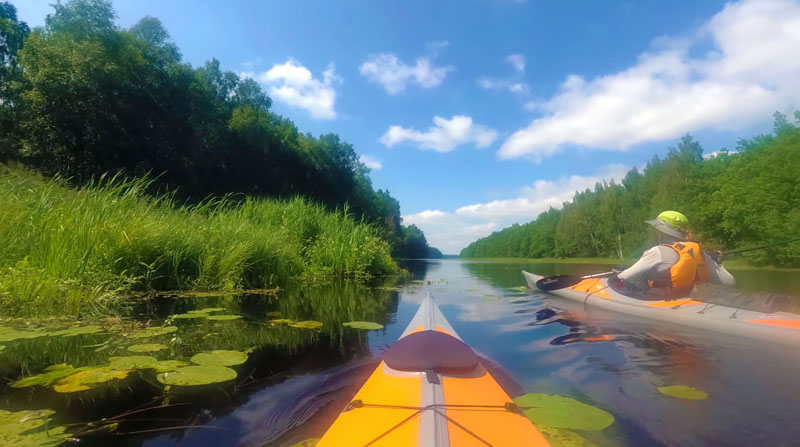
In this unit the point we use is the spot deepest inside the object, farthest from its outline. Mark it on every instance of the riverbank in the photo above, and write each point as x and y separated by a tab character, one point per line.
82	251
735	264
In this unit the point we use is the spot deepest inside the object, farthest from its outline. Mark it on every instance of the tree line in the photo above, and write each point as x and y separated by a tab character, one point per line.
739	198
81	97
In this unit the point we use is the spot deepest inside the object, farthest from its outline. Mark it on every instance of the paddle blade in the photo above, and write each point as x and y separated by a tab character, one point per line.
557	282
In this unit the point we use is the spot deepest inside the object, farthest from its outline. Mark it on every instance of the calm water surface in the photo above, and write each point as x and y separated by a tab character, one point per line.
296	381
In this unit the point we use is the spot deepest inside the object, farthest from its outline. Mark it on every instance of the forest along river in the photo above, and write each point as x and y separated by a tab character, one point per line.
296	365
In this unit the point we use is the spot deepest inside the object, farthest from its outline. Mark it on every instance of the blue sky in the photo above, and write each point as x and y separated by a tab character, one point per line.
477	114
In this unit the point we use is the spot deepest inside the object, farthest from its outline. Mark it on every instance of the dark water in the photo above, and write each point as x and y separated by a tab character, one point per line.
296	381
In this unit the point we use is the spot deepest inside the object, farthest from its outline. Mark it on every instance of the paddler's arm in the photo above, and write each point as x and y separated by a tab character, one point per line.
636	273
717	272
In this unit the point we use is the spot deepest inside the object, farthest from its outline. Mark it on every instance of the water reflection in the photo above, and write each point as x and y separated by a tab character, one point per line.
296	381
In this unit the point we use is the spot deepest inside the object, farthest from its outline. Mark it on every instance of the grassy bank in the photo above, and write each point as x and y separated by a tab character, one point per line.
79	251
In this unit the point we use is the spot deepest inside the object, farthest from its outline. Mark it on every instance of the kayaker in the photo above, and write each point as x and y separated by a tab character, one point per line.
673	267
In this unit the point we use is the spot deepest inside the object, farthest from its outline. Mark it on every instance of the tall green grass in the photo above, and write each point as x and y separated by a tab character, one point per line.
65	250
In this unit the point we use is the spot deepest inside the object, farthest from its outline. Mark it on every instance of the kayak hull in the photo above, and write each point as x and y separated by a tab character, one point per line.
776	327
429	408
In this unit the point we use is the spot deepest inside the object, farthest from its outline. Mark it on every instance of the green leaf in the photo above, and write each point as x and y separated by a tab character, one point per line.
367	325
10	334
147	347
78	330
197	375
273	314
2	347
683	392
306	324
220	358
131	362
281	321
29	428
207	310
89	378
167	365
224	317
563	412
564	438
188	316
154	331
51	375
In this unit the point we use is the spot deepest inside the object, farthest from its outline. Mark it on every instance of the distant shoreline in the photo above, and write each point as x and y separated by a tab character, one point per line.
736	264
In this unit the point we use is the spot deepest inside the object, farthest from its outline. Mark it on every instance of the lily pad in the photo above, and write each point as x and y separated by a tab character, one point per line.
683	392
281	321
11	334
188	316
220	358
564	438
167	365
89	378
131	362
154	331
224	317
306	324
367	325
273	314
49	376
207	310
563	412
77	330
197	375
312	442
147	347
29	428
2	347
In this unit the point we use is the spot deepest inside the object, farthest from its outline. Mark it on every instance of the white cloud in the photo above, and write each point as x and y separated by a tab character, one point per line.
753	70
444	136
517	61
394	75
371	162
452	231
293	84
519	88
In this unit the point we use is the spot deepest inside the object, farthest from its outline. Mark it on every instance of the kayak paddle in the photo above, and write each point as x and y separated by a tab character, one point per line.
563	281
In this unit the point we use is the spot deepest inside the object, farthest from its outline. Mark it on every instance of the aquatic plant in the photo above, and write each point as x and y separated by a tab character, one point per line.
563	412
49	376
223	317
82	251
153	331
311	442
683	392
366	325
29	428
147	347
220	358
197	375
89	378
306	324
77	330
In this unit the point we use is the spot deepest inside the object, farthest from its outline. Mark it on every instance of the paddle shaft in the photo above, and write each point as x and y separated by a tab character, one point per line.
742	250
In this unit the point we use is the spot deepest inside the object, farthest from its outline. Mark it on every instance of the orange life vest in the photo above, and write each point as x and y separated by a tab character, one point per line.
690	269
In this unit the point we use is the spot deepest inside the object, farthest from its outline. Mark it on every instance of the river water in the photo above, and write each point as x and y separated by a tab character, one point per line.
296	380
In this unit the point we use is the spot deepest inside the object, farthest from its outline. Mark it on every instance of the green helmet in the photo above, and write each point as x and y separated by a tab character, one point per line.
671	223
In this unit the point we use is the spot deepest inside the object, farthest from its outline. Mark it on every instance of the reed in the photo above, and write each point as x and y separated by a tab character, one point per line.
83	250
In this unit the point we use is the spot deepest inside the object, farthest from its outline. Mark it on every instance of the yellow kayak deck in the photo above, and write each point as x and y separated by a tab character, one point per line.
452	402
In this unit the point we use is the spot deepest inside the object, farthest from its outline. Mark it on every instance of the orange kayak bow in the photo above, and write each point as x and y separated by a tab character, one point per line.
431	389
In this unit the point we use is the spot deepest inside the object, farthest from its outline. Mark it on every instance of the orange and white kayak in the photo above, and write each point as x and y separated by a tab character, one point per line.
432	390
774	327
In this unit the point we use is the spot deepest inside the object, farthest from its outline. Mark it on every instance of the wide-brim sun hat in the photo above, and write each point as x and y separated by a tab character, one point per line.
670	223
